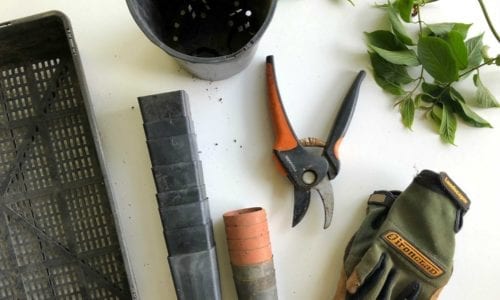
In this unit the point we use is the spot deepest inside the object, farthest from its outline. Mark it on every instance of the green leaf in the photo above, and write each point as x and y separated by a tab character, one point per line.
462	28
398	27
431	92
437	59
427	98
405	8
396	74
431	89
465	112
388	86
387	45
484	98
384	39
436	115
448	125
400	57
471	118
420	102
455	95
407	110
474	46
458	48
441	29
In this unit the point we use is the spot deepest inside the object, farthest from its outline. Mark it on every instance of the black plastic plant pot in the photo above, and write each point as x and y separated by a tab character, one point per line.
212	39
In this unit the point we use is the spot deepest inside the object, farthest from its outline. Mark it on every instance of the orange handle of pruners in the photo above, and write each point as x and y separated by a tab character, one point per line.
285	138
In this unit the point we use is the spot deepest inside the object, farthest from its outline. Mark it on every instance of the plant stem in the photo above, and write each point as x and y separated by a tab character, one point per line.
419	22
421	76
410	93
486	62
487	17
448	85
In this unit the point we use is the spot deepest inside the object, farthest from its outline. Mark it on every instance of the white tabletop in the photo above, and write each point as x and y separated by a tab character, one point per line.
318	47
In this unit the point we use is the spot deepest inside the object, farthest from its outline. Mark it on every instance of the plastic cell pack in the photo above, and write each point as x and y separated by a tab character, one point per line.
58	238
182	202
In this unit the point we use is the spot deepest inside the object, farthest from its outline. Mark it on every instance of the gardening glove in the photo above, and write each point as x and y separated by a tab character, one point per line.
412	254
376	212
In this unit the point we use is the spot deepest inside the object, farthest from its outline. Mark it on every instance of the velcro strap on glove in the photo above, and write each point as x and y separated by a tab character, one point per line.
444	185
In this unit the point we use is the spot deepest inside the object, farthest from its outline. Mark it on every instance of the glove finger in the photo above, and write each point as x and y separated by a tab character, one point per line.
379	204
386	291
410	292
368	277
340	293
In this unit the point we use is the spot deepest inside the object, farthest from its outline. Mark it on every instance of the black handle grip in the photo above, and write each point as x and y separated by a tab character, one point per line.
341	124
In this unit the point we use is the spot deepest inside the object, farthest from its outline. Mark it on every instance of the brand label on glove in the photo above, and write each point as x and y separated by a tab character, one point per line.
409	251
457	194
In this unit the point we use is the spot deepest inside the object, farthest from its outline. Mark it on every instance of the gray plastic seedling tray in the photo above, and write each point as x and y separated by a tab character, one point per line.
58	238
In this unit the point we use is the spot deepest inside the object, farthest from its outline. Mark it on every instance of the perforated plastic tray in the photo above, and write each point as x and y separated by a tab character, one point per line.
58	238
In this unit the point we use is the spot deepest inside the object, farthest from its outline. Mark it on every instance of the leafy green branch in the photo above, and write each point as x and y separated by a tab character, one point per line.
441	55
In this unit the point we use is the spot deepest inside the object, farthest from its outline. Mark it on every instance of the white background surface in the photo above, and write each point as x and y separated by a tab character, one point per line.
318	47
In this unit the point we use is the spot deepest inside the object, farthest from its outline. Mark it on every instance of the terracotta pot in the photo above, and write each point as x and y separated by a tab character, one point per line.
246	232
245	217
250	243
250	257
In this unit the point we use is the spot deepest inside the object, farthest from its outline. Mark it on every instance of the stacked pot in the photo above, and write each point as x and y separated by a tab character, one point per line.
182	202
250	253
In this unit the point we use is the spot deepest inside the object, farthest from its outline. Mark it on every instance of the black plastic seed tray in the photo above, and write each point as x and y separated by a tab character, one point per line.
58	238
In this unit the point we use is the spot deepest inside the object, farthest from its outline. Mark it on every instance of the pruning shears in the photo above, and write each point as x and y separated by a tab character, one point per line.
305	169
